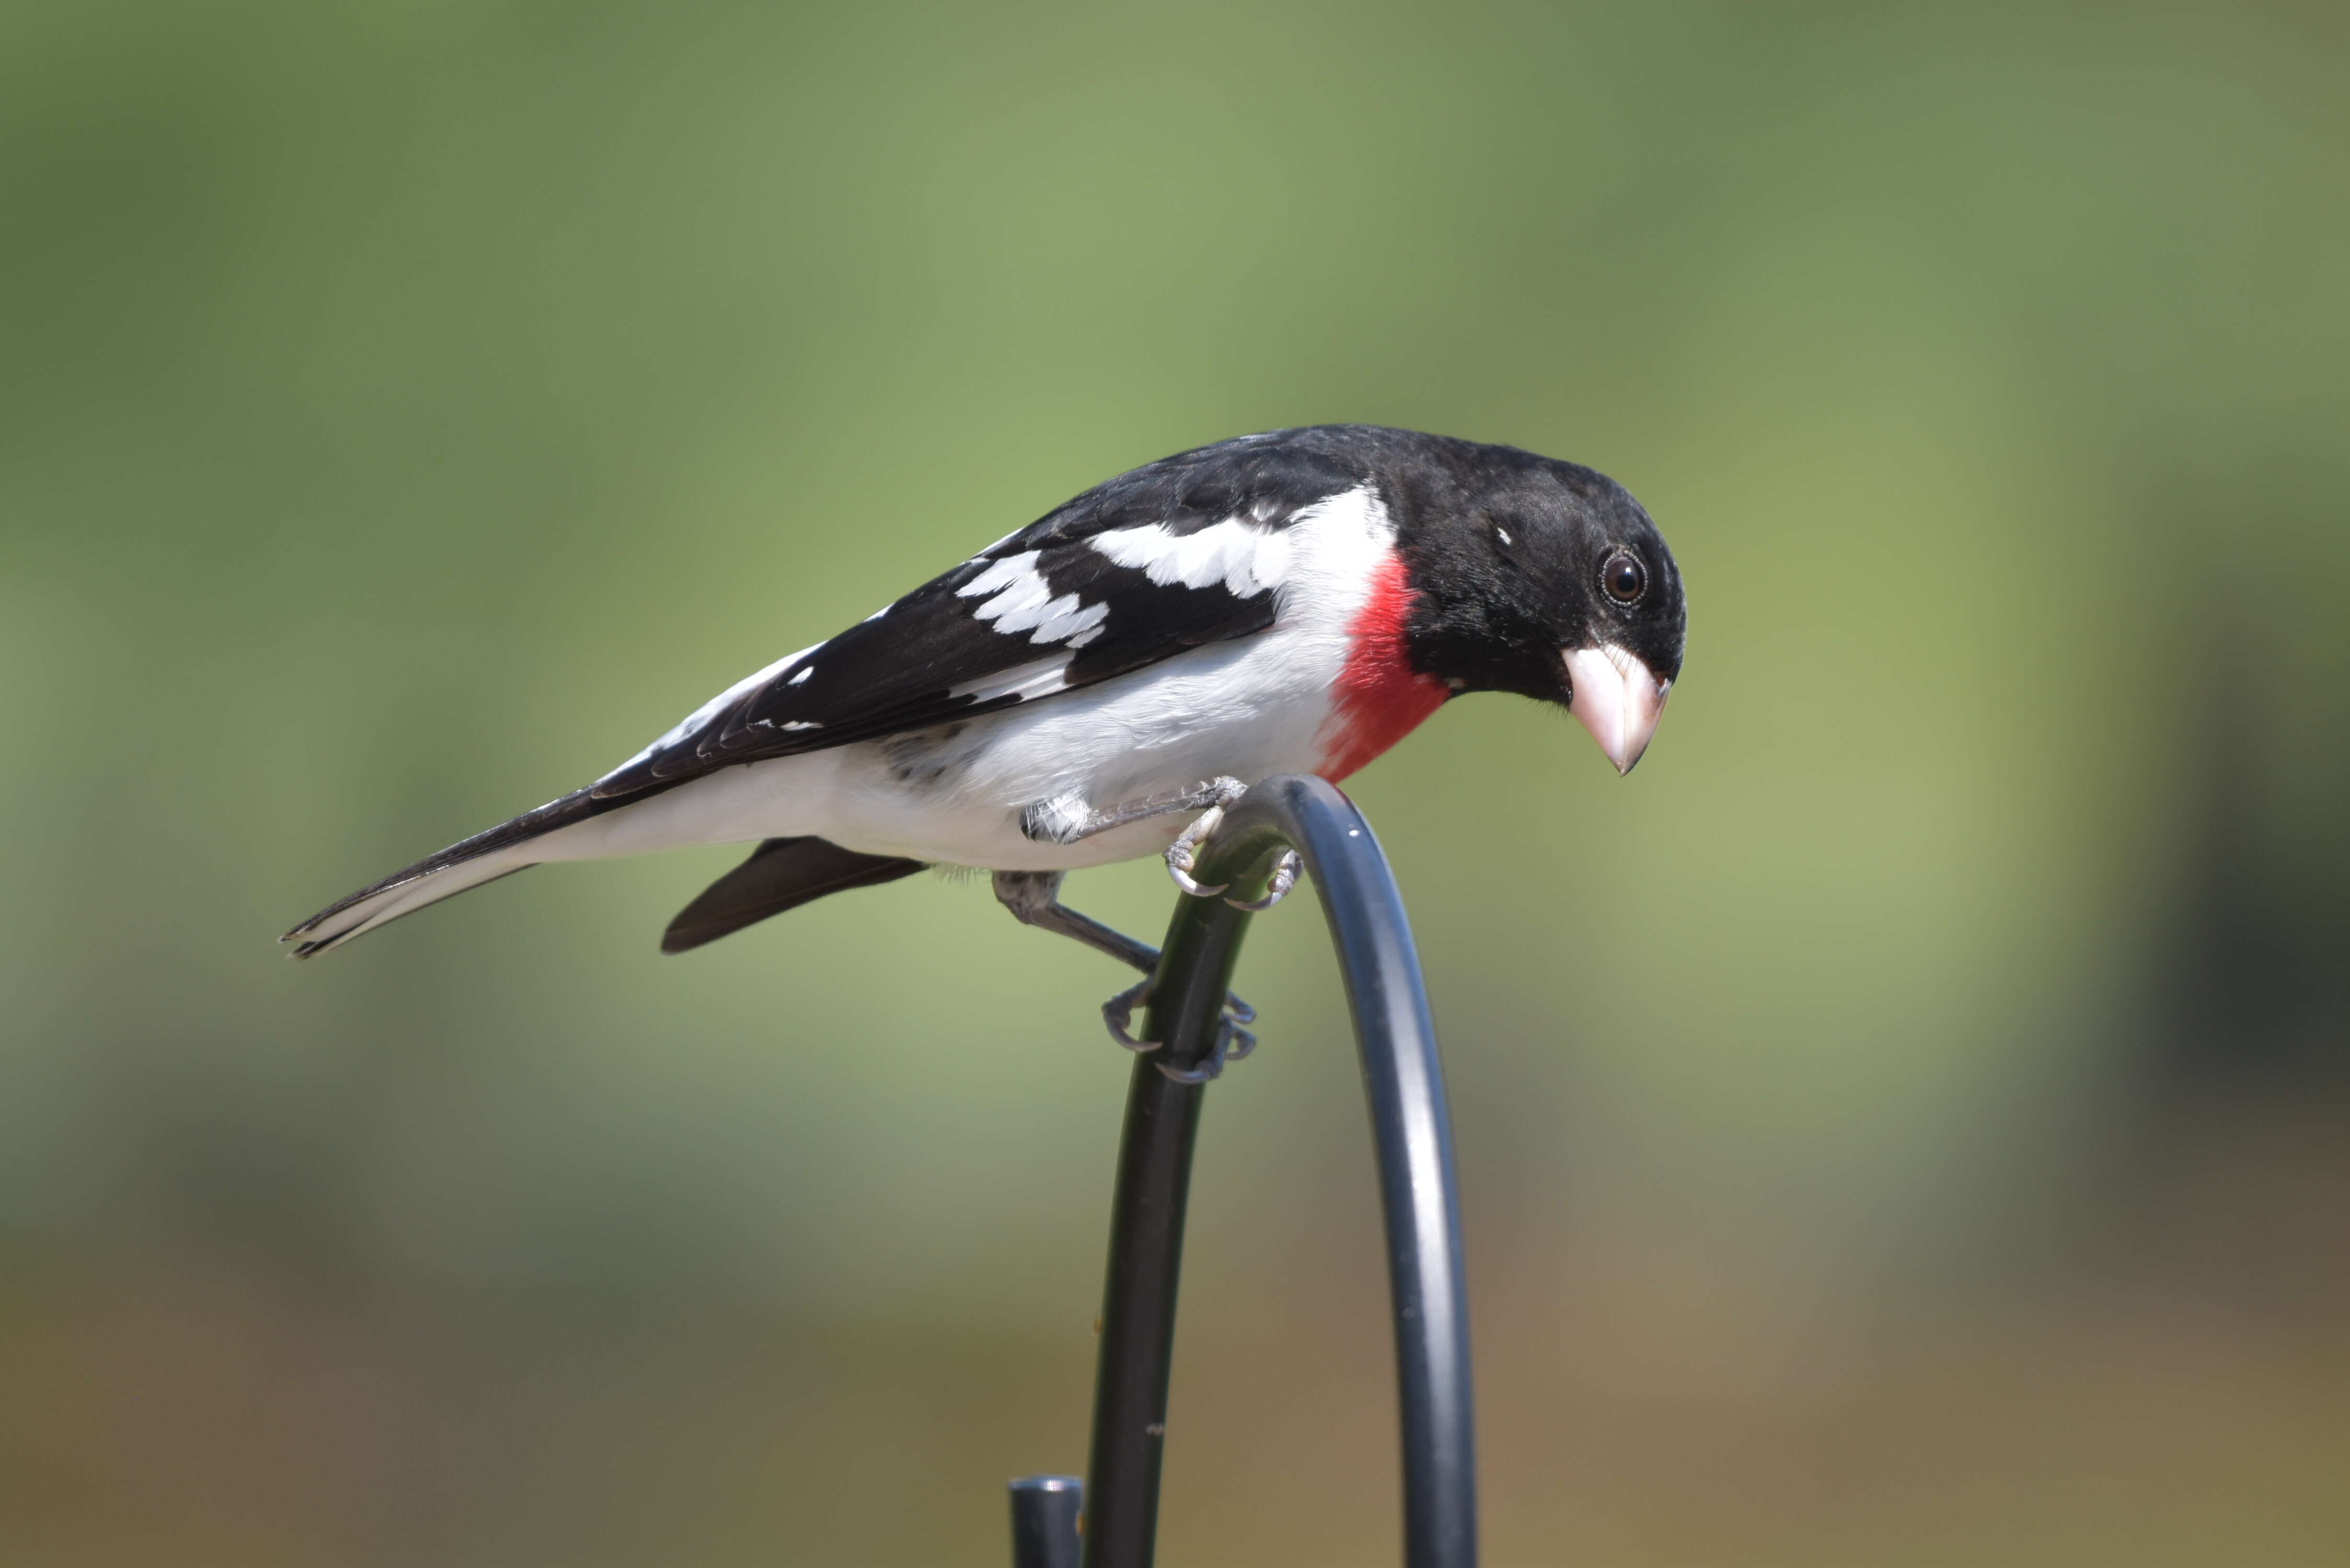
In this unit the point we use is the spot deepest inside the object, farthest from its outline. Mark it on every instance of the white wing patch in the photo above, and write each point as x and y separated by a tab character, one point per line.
1246	560
1027	683
1023	601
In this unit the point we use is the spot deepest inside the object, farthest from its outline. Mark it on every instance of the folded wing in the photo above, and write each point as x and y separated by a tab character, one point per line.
1184	553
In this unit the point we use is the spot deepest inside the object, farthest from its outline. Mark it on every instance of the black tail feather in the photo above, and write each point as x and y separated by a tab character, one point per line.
782	874
577	806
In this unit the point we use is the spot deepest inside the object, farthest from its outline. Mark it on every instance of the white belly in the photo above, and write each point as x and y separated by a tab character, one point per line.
955	795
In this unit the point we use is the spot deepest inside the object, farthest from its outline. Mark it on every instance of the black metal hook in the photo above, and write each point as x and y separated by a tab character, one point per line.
1418	1192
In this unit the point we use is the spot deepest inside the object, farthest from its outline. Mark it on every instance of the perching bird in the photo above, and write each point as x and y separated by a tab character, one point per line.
1073	694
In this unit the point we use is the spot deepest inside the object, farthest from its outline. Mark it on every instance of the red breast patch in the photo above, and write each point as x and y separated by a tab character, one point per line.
1378	698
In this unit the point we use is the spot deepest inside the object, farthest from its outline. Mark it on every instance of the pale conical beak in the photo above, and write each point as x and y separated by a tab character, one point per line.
1616	699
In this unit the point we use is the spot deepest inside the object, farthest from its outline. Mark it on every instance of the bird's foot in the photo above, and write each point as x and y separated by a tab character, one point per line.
1234	1040
1183	855
1035	897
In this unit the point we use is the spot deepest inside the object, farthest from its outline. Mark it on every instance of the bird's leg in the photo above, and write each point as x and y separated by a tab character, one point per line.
1066	819
1035	899
1070	818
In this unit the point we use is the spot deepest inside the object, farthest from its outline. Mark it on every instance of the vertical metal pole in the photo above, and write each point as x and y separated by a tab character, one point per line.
1044	1522
1146	1239
1418	1190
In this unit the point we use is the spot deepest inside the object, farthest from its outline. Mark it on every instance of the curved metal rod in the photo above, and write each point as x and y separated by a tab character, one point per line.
1418	1189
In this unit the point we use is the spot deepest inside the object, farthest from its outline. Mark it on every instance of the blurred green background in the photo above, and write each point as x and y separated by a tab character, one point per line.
1908	1122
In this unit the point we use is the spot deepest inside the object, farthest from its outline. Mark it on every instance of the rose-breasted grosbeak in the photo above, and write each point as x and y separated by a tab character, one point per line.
1291	602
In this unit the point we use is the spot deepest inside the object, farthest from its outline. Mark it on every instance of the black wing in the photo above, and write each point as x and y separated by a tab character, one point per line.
1096	588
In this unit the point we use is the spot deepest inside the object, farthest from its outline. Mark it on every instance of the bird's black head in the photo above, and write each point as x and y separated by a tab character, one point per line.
1543	578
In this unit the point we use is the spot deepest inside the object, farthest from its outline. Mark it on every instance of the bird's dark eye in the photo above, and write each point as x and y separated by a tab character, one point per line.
1624	577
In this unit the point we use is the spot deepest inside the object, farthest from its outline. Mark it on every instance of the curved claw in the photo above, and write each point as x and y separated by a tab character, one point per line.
1117	1013
1183	854
1182	877
1232	1043
1117	1016
1284	876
